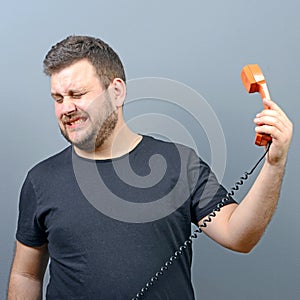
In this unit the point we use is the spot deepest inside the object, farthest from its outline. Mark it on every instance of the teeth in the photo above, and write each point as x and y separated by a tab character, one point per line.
76	122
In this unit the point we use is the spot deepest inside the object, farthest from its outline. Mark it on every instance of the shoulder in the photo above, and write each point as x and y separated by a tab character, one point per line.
179	155
54	162
169	148
159	143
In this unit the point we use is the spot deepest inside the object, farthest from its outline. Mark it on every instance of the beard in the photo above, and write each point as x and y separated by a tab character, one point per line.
101	130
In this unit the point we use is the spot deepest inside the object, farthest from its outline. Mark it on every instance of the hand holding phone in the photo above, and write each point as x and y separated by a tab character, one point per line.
254	81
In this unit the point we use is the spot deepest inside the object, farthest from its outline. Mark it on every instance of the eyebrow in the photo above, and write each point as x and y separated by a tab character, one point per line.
70	92
55	94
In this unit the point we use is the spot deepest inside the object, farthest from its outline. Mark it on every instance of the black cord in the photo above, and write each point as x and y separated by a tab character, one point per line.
194	235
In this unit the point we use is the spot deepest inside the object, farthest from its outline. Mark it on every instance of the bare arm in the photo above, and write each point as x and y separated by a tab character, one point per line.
27	273
240	227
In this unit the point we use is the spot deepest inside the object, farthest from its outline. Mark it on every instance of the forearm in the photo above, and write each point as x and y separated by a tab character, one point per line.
239	227
249	220
27	272
24	287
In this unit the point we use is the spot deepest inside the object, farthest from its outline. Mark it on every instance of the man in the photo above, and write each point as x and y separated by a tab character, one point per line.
94	255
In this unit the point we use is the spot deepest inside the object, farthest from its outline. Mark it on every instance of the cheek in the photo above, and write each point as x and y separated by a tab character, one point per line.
58	111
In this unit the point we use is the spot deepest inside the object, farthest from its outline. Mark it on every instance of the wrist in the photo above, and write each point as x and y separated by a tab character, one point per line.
276	166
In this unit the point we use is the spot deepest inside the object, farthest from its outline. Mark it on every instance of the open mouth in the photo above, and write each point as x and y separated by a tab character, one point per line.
74	122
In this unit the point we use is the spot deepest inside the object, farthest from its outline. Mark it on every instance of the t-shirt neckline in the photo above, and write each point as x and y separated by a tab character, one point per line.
136	148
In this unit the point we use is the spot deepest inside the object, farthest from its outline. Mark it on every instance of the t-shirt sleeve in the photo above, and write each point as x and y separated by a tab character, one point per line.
29	230
207	192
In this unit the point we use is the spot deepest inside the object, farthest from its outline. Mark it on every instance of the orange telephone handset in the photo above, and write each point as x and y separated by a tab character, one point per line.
254	81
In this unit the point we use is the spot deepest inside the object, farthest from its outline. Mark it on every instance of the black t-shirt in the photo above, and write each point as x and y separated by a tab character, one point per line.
109	233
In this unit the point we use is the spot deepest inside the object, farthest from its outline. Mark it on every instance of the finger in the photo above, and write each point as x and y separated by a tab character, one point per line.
274	132
271	118
273	125
277	114
275	111
269	126
269	112
273	106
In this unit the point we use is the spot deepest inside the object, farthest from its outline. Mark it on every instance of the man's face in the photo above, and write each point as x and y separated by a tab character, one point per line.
85	113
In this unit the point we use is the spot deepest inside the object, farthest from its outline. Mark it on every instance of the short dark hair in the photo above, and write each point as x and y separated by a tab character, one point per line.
74	48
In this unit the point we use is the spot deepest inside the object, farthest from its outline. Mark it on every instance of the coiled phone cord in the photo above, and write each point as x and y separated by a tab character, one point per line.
194	235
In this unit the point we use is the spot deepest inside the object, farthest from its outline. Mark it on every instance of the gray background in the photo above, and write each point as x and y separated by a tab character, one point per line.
203	44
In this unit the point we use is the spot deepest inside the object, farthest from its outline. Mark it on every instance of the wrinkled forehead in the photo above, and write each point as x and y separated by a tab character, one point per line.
79	75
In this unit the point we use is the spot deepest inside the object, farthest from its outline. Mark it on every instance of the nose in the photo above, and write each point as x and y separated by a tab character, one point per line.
66	107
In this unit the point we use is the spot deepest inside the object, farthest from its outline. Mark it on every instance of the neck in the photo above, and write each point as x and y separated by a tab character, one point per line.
119	143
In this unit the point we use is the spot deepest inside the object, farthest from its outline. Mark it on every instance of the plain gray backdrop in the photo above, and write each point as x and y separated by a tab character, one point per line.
203	44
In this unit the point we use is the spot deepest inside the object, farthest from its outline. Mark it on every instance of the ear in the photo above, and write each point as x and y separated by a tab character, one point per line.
118	91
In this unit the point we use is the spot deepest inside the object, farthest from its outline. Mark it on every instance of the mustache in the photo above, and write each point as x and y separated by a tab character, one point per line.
73	117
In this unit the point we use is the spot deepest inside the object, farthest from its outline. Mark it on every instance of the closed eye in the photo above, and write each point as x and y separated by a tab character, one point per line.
77	95
57	98
74	95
